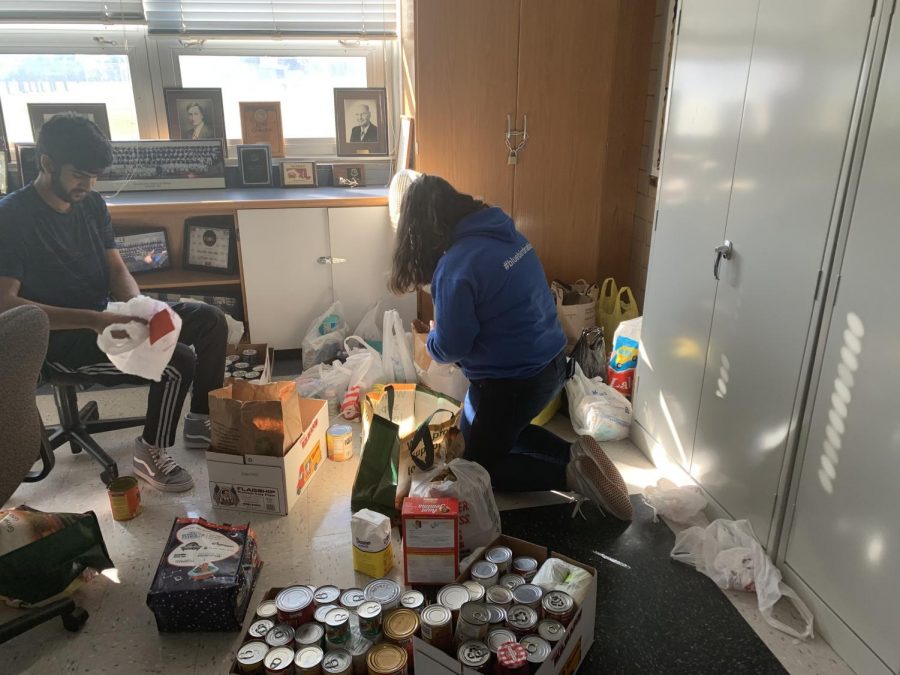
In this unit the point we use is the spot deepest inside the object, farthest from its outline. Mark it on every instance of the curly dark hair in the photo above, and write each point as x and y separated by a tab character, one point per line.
430	210
69	139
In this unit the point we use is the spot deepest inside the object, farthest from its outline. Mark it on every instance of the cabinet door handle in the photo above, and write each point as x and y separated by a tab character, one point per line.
328	260
724	251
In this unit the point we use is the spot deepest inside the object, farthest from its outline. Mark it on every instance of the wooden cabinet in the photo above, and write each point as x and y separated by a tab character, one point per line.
578	71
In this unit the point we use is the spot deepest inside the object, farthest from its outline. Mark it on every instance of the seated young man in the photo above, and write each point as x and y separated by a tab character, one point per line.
58	251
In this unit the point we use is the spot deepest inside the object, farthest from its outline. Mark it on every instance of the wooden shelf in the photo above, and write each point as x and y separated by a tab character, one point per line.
155	281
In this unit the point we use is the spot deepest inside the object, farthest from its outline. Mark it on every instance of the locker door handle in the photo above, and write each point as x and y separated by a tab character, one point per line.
328	260
724	251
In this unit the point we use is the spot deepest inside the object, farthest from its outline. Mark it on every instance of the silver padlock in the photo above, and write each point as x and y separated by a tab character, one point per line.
513	157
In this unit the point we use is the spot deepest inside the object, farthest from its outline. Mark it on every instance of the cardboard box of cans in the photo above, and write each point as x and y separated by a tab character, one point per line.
251	361
265	484
568	653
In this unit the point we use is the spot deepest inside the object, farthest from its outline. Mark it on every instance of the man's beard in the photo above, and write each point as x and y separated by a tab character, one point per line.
57	188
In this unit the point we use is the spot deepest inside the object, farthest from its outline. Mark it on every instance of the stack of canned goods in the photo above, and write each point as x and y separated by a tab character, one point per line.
247	365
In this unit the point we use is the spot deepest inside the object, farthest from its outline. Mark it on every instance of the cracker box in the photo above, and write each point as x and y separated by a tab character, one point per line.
430	540
205	577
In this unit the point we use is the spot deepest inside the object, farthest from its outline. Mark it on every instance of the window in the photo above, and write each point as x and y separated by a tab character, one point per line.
66	78
303	85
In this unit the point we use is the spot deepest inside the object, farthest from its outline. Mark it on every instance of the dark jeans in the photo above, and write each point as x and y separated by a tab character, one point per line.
203	327
496	424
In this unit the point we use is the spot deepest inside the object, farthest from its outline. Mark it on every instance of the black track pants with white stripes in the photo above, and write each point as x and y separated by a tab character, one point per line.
203	328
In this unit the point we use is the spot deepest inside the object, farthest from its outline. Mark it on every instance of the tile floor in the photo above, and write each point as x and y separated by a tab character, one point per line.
311	545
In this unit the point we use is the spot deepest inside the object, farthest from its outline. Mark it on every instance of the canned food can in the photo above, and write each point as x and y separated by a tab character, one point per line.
321	612
124	498
511	581
370	616
437	627
525	567
474	655
538	649
250	356
453	596
414	600
251	375
384	591
279	661
326	595
521	619
259	369
251	655
476	590
498	637
309	635
260	627
239	374
498	616
359	648
498	595
241	365
551	630
387	659
337	626
528	594
338	662
309	661
280	635
352	598
339	441
558	605
400	626
512	658
472	623
295	605
485	573
232	358
266	610
501	557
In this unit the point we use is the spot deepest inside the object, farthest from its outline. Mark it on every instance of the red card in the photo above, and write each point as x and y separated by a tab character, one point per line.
160	325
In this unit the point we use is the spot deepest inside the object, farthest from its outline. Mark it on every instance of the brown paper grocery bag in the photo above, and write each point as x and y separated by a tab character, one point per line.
420	344
576	306
255	419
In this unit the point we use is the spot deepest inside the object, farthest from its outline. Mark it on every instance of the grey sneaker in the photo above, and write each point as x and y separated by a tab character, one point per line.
196	433
593	474
155	466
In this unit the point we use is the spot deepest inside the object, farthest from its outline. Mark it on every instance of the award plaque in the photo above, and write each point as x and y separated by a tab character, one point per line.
209	244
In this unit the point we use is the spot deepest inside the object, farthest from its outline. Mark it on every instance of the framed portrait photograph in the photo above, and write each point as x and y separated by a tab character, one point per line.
26	158
261	123
349	175
298	174
361	122
255	165
405	143
194	114
38	113
210	244
143	249
165	165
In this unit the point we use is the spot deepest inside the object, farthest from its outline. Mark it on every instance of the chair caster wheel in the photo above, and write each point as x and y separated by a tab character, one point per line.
75	620
109	475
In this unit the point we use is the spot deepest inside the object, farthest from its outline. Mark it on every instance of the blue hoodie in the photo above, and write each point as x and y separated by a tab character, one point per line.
494	313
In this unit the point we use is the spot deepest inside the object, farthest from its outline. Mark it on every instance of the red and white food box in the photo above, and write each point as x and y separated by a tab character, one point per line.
430	540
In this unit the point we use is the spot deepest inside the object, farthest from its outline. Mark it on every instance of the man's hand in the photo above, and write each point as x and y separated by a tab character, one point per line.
104	319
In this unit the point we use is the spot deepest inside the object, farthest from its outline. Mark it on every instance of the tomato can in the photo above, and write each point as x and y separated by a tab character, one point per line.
437	627
501	556
476	590
414	600
370	619
512	659
472	623
521	619
400	626
352	598
124	498
326	595
338	662
309	635
309	661
295	606
337	626
528	594
387	659
260	627
525	567
281	635
251	655
279	661
474	655
558	605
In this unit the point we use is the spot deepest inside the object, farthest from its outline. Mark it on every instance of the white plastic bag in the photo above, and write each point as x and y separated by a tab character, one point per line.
470	483
397	352
444	378
370	327
558	575
133	353
325	336
728	553
366	370
678	504
596	409
324	381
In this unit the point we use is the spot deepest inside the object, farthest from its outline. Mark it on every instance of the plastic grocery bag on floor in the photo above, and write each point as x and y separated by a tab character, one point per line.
325	336
324	381
590	354
366	370
141	349
397	353
728	553
470	483
370	328
596	409
678	504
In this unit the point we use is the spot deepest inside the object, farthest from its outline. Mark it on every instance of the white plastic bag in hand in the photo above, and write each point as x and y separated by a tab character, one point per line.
370	327
728	553
133	354
325	336
397	352
366	370
596	409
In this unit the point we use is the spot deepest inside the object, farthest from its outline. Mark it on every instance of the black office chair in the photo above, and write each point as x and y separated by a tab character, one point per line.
76	426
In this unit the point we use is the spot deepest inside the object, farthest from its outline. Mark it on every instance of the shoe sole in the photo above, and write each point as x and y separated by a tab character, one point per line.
610	485
196	442
163	487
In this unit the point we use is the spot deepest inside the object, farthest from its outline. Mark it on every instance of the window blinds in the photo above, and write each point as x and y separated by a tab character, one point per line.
325	18
67	11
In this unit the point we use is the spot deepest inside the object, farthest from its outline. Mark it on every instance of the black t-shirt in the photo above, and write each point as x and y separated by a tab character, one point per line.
60	258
